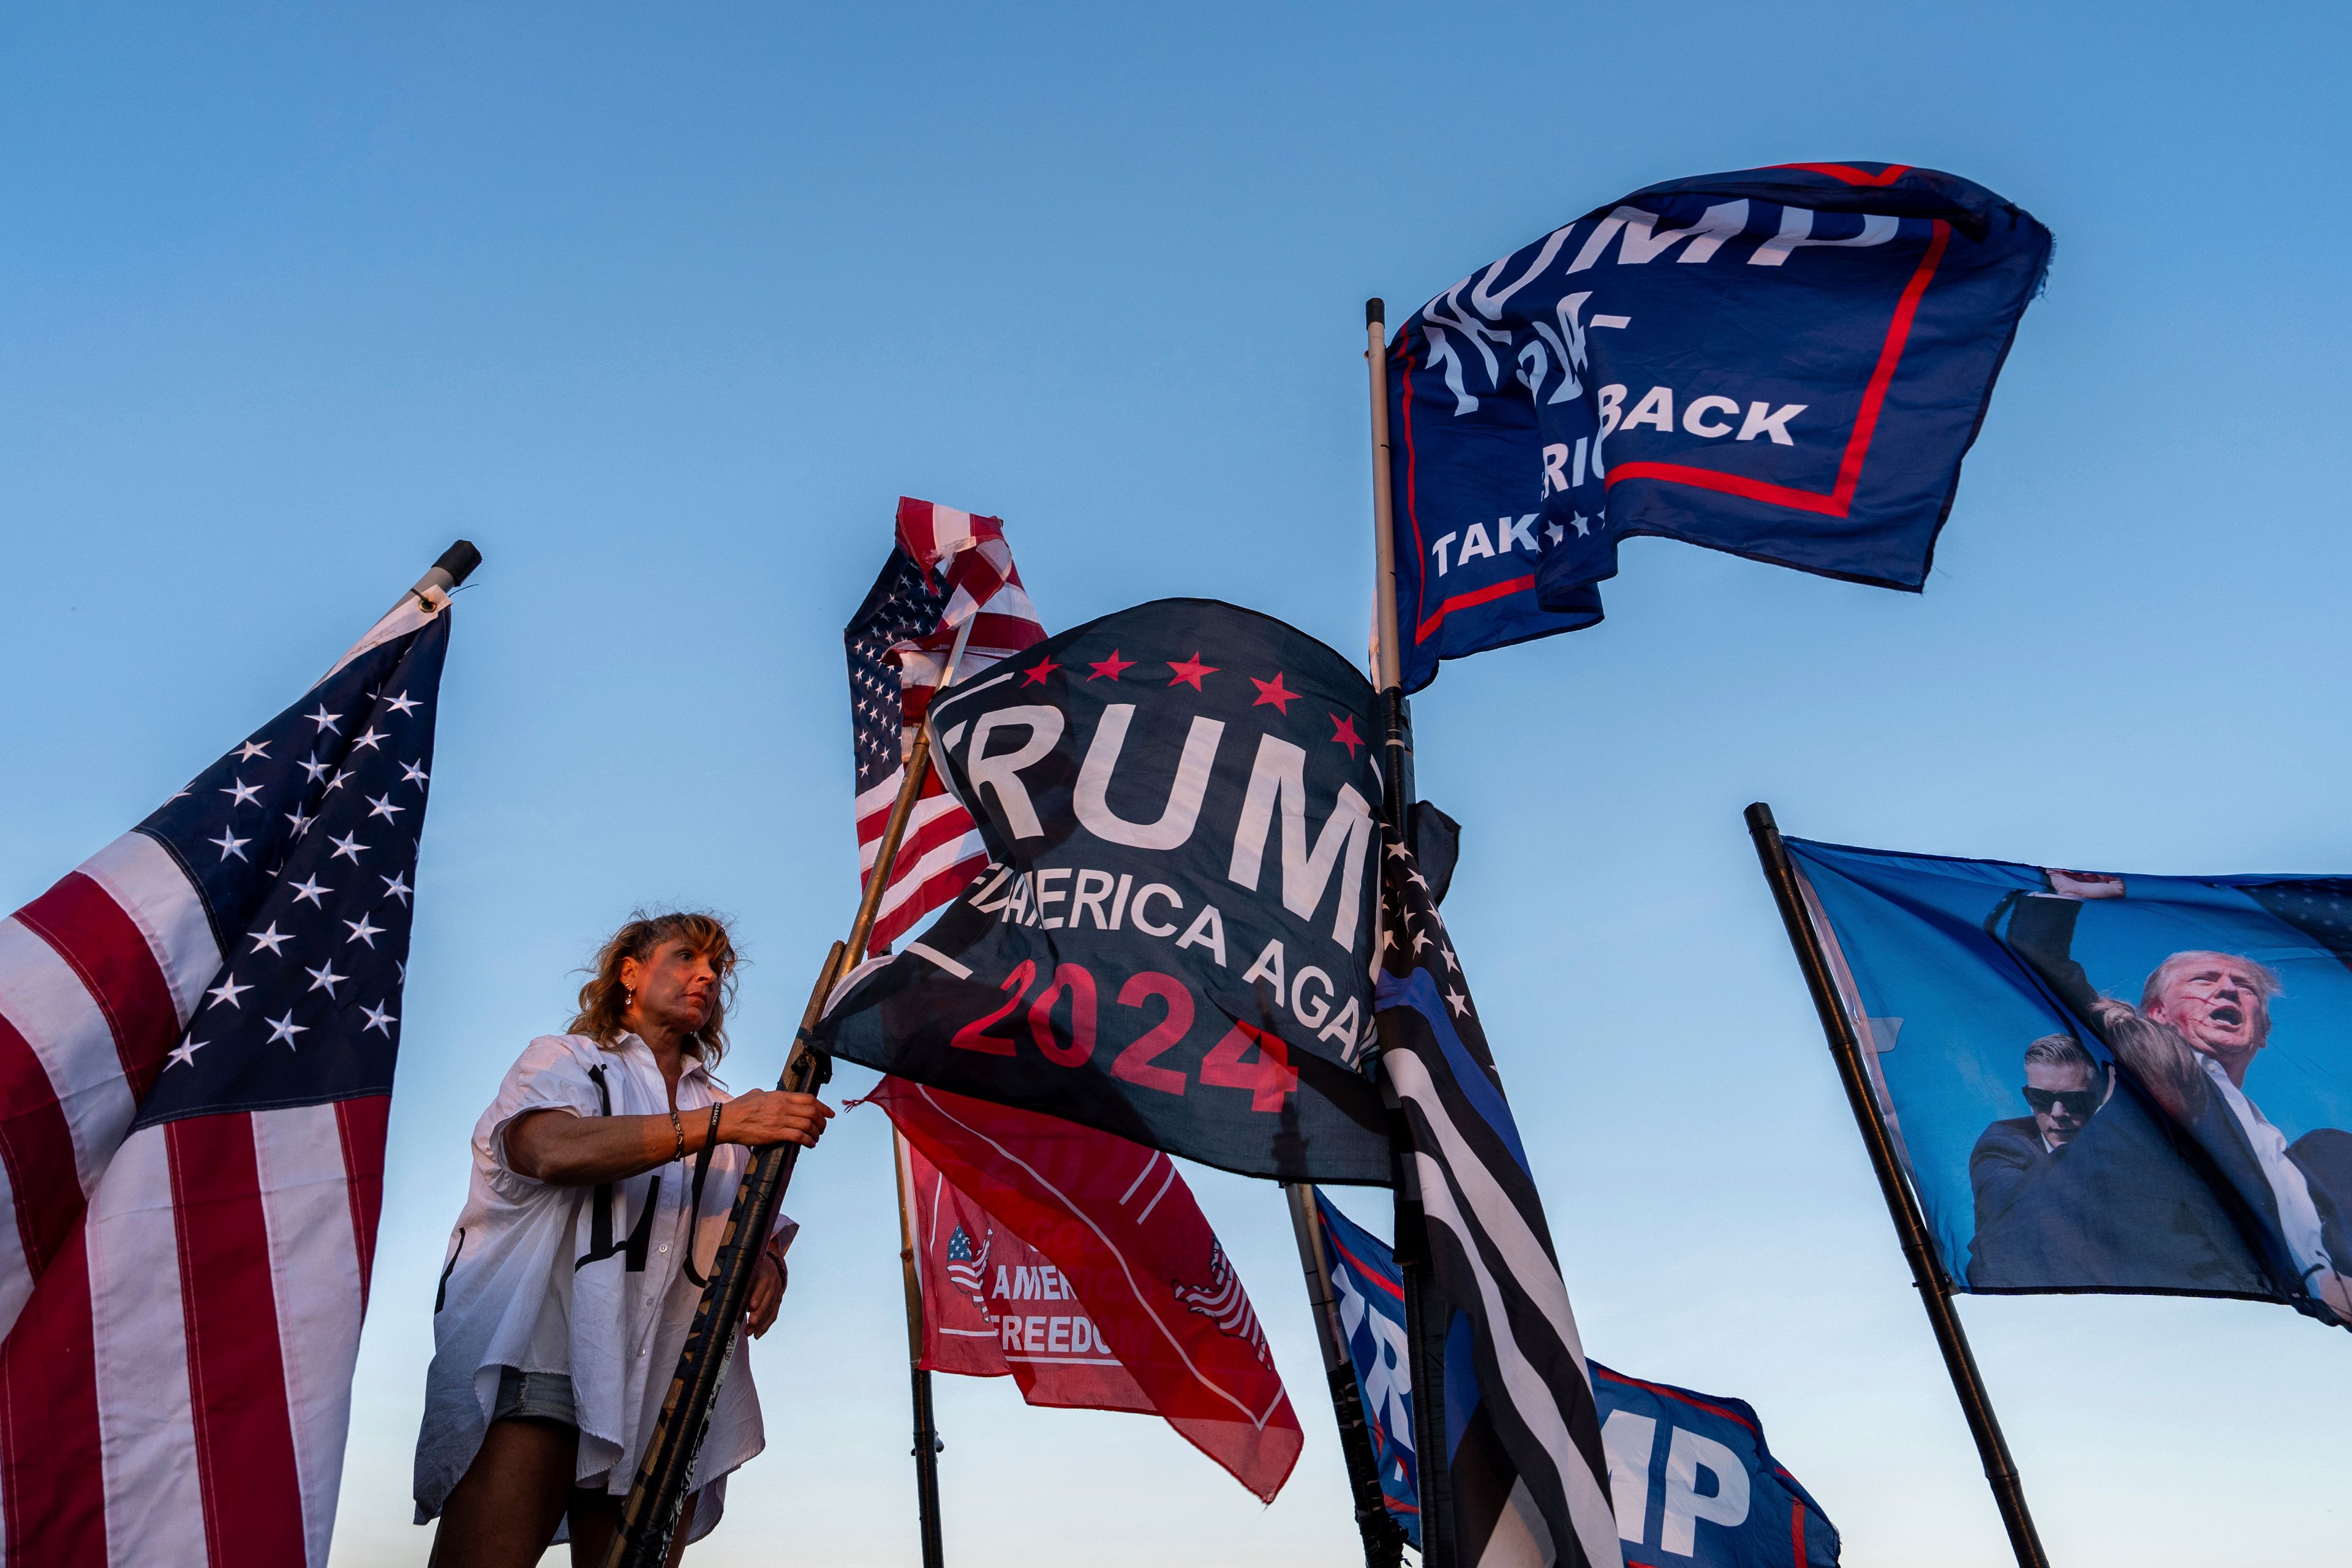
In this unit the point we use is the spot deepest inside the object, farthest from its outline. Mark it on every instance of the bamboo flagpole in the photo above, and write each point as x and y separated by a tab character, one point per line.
1902	1204
658	1493
927	1436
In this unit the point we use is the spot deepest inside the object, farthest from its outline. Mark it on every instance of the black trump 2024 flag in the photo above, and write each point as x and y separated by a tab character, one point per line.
1174	942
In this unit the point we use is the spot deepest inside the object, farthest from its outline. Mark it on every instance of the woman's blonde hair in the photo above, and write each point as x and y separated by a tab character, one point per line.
604	1001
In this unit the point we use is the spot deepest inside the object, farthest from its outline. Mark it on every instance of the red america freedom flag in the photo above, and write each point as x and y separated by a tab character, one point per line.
948	567
198	1032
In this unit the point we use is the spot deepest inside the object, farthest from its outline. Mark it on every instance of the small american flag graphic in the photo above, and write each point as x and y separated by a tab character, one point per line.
946	567
1223	1301
967	1270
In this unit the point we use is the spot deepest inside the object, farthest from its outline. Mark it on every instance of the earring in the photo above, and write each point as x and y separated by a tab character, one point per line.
628	997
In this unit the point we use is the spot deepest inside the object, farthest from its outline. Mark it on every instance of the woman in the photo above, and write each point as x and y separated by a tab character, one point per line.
603	1176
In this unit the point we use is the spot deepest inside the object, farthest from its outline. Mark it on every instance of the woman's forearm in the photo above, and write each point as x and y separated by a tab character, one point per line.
571	1150
568	1150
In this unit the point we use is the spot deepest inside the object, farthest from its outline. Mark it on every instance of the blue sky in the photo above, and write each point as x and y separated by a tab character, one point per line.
665	310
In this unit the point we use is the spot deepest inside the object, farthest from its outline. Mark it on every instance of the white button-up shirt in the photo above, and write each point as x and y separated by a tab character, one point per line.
534	1281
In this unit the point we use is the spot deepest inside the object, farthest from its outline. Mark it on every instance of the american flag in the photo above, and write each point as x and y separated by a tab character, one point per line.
197	1030
1223	1301
967	1270
947	567
1528	1476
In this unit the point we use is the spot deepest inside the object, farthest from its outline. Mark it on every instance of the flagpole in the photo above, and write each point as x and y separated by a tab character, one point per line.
658	1493
927	1436
1383	1541
1902	1204
1426	1350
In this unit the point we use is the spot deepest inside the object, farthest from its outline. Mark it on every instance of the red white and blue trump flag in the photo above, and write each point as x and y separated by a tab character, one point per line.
1787	364
198	1034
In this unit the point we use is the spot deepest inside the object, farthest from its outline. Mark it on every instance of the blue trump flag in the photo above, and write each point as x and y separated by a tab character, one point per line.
2099	1083
1369	1289
1786	364
1690	1475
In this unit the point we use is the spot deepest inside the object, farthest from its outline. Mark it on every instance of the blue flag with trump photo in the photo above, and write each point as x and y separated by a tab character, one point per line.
1691	1479
2103	1083
1787	364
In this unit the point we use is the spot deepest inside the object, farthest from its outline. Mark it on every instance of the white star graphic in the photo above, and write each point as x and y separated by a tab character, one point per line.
347	847
231	845
251	750
1420	940
285	1029
324	720
404	971
379	1018
246	794
1388	939
273	939
1578	523
1458	1002
362	931
1396	851
184	1055
312	766
1447	953
337	782
1557	532
411	773
397	888
383	807
227	990
302	822
309	887
371	740
1418	880
403	703
324	978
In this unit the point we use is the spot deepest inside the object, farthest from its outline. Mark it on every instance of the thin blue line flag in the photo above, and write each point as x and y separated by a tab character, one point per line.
1691	1479
1526	1482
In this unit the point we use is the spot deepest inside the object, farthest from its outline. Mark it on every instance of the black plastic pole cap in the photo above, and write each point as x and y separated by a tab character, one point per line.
460	561
1376	309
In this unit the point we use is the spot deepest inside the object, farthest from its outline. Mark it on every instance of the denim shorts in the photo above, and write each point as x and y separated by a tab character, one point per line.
534	1396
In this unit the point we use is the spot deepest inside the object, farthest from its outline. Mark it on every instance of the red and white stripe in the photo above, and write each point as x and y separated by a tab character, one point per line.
942	851
181	1307
970	556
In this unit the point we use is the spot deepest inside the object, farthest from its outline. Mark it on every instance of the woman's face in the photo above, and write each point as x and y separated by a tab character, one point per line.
674	986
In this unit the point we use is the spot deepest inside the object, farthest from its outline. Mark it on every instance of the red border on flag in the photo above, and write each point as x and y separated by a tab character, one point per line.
1838	503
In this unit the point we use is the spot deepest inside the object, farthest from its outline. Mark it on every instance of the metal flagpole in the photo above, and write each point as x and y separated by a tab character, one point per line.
1425	1343
658	1493
1383	1541
1902	1204
927	1436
